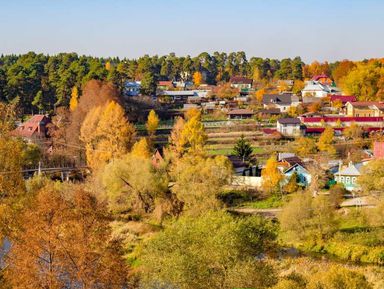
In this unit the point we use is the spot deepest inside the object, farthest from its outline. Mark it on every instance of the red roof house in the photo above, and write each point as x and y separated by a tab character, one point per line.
323	79
343	98
34	128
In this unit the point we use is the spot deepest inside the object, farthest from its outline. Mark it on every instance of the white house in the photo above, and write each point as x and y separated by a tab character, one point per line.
348	176
288	126
316	89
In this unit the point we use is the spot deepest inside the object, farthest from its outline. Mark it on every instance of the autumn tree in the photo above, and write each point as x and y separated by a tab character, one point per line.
187	255
94	93
197	78
177	141
142	149
338	104
314	107
304	146
325	143
192	112
65	241
199	180
341	70
226	91
353	132
307	218
259	95
271	176
298	86
292	185
132	183
194	135
152	123
243	149
74	101
107	134
364	81
372	177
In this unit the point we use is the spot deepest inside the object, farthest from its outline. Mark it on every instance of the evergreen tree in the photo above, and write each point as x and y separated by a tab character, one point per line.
243	149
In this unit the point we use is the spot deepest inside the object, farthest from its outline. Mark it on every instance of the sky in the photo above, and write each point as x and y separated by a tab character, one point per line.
315	30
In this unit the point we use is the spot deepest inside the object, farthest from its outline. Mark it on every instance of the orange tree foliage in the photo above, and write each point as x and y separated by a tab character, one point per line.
225	91
65	242
316	68
366	81
197	78
74	101
342	69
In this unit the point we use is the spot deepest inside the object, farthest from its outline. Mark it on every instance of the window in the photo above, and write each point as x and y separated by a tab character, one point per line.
353	180
342	179
347	180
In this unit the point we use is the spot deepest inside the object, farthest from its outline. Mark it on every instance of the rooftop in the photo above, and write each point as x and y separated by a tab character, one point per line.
240	112
240	80
289	120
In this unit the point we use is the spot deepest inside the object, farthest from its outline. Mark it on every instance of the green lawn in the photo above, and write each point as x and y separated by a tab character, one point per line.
269	203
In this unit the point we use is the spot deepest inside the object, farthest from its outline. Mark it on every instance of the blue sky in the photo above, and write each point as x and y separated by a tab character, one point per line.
315	30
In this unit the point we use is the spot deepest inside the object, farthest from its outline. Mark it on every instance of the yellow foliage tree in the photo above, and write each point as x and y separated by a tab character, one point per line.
192	112
141	149
108	65
305	146
354	132
176	139
365	81
259	95
298	86
74	101
271	176
152	123
194	135
106	133
325	141
197	78
337	104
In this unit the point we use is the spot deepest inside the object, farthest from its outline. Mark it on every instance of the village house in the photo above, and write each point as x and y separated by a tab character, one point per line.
240	114
348	176
289	126
316	89
243	84
281	101
165	85
34	129
365	108
132	88
323	79
304	177
344	99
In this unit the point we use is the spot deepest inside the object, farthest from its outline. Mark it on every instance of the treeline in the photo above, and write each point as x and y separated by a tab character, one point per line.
42	82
